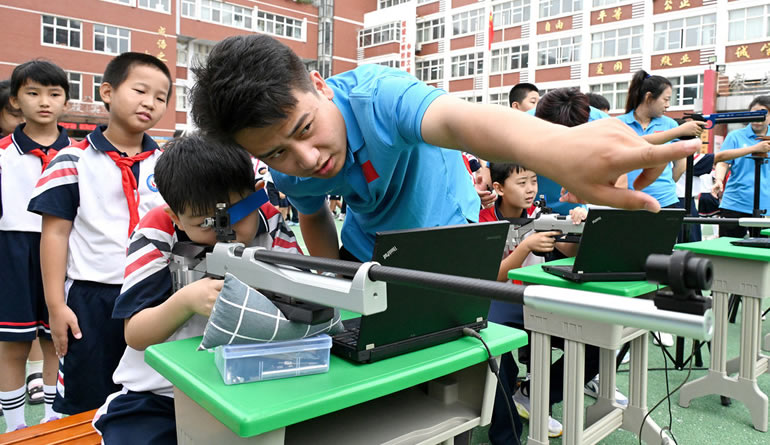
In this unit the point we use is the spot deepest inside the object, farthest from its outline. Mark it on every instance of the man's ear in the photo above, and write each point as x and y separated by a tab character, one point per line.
172	215
320	85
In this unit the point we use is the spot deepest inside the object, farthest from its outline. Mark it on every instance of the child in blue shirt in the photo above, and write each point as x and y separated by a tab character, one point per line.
738	198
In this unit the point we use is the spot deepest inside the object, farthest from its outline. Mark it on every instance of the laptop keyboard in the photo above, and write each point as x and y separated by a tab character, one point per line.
349	337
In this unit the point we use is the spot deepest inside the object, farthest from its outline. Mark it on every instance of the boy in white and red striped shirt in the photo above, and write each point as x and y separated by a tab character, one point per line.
193	175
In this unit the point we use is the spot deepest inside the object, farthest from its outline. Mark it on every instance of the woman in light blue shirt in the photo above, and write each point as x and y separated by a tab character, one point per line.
648	98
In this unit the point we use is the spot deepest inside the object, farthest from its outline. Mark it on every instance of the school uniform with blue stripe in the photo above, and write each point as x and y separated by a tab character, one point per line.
23	312
739	189
84	185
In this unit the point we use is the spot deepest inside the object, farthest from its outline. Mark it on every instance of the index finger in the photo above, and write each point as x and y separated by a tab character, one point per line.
648	156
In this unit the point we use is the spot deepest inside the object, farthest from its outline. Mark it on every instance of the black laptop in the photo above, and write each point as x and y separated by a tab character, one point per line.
616	243
416	317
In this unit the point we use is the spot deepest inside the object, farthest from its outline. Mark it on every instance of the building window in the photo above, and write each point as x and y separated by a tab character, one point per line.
467	64
469	22
549	8
430	70
511	58
748	24
392	63
155	5
690	32
182	99
379	34
388	3
686	89
557	51
188	9
499	99
510	13
599	3
76	86
430	30
200	54
123	2
615	93
110	39
279	25
60	31
225	14
182	49
616	42
471	98
97	84
420	2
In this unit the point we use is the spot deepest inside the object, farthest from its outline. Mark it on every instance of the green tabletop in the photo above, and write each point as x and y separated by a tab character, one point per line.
536	275
249	409
722	247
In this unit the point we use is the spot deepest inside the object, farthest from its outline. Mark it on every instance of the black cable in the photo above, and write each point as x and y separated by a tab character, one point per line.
496	371
667	397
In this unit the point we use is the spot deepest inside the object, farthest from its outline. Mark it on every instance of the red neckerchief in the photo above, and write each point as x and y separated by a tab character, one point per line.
129	183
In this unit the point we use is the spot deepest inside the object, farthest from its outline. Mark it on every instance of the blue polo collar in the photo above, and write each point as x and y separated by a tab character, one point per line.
25	144
98	141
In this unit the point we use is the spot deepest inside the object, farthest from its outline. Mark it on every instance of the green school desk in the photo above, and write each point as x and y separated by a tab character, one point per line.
605	416
744	271
427	396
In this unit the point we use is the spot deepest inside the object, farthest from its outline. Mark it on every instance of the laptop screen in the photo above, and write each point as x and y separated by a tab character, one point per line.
469	250
616	240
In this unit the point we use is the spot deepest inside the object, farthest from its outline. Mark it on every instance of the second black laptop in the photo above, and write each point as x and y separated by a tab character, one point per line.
616	243
416	317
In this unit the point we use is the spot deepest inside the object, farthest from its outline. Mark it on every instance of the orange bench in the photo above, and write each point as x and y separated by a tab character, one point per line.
72	430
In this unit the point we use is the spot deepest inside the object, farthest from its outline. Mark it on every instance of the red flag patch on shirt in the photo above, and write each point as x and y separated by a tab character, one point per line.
369	172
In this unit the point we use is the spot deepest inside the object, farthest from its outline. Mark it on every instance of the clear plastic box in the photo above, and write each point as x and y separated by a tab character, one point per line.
267	361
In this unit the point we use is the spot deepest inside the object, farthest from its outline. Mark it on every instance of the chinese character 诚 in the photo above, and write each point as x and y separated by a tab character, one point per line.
600	68
665	61
685	59
617	13
618	67
602	15
742	51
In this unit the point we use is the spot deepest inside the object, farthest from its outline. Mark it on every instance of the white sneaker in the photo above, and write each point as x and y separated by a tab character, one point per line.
592	389
665	338
523	407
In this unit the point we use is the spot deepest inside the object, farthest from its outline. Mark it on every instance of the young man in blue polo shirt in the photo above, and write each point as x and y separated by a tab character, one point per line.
373	135
738	198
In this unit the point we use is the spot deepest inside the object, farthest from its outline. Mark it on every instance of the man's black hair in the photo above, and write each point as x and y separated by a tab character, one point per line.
118	69
195	173
763	101
598	101
41	71
643	83
500	171
519	92
248	81
564	106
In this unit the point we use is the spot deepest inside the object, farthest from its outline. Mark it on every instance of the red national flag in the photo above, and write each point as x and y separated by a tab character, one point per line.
491	31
